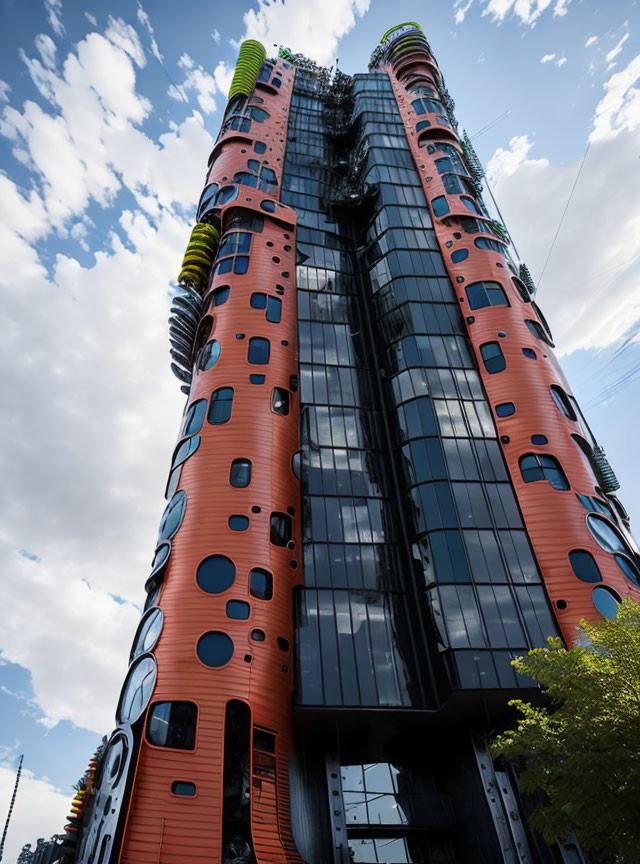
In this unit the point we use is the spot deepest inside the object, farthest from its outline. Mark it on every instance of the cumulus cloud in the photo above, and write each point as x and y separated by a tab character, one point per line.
592	300
223	74
216	36
90	406
40	808
5	89
144	19
125	37
198	80
461	7
561	61
298	24
47	49
547	58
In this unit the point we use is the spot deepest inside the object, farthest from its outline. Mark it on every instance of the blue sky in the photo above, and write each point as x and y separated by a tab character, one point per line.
107	115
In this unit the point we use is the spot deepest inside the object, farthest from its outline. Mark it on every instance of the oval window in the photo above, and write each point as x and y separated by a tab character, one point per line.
210	355
604	533
214	649
114	762
584	566
629	569
606	601
148	633
215	574
137	690
160	559
194	418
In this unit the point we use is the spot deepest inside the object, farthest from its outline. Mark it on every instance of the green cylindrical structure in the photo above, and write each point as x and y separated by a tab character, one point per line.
251	57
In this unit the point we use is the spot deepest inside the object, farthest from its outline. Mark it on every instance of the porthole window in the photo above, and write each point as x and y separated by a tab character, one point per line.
137	690
215	574
539	440
280	529
505	409
258	635
238	610
537	466
493	357
260	147
481	294
537	330
220	406
148	633
283	644
280	401
184	449
218	296
530	353
214	649
173	725
194	418
606	534
296	464
240	474
238	523
173	516
459	255
259	351
183	787
261	584
584	566
209	356
269	206
521	289
562	402
606	601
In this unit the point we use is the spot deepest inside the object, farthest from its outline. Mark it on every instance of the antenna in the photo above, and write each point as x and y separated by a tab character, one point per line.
13	801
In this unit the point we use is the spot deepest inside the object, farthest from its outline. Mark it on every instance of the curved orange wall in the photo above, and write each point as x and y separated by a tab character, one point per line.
555	519
161	826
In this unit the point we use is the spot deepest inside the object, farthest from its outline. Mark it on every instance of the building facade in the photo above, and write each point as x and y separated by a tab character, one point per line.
382	492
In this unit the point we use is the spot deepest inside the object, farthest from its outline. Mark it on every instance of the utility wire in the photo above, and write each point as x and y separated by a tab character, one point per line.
491	124
11	805
564	213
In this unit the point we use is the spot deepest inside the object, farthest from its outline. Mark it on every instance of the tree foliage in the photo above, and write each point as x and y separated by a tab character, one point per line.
583	752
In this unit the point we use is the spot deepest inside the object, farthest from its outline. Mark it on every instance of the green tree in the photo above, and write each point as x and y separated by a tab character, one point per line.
583	751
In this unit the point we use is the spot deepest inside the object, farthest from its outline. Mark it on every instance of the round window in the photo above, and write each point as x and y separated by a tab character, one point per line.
137	690
148	633
215	574
606	601
173	515
210	355
215	649
605	534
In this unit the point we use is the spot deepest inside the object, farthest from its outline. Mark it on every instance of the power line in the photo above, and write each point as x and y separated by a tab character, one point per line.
491	124
564	213
13	801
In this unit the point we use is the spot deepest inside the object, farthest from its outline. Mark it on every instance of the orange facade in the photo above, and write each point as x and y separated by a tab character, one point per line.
555	518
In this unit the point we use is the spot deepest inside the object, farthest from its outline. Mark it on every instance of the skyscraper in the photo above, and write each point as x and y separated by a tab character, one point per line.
382	492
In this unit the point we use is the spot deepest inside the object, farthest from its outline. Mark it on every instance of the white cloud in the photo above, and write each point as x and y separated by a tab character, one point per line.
5	89
461	8
590	41
53	9
593	299
223	75
303	26
619	108
91	19
47	50
144	19
124	36
547	58
216	36
561	61
610	57
82	491
40	810
197	79
528	11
